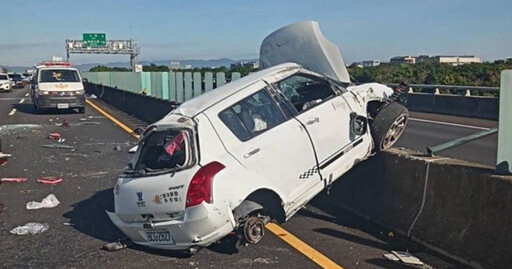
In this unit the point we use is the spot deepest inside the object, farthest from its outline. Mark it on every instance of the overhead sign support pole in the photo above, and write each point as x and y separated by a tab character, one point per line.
504	160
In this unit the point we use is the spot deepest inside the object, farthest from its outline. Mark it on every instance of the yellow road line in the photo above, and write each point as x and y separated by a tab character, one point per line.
302	247
110	117
284	235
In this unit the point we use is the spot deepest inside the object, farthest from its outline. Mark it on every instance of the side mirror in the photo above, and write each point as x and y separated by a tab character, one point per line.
358	124
84	80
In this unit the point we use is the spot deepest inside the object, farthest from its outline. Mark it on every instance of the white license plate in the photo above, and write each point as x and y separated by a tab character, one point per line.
162	236
62	106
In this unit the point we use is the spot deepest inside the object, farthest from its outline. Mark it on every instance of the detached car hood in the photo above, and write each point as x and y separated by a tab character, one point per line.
303	43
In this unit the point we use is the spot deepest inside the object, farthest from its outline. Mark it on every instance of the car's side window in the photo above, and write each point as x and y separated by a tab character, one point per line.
305	92
252	116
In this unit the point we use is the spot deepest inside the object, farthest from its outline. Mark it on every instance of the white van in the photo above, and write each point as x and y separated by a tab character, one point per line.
57	85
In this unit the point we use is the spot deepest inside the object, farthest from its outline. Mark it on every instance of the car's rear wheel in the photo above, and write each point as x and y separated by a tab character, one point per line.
388	125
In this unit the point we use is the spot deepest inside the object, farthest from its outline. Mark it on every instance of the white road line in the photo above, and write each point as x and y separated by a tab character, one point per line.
450	124
12	112
22	100
26	94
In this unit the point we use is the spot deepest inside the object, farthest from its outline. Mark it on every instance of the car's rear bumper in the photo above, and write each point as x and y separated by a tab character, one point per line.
48	101
201	226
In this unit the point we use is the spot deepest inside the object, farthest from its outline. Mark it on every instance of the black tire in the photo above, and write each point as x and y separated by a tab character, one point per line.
81	110
388	125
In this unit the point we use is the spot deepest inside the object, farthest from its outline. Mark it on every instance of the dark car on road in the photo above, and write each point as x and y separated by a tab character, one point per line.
17	81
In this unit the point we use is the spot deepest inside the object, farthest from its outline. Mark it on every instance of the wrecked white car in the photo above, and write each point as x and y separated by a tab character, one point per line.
256	149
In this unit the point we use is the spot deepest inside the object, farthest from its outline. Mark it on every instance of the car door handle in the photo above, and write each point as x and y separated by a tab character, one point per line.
252	152
312	121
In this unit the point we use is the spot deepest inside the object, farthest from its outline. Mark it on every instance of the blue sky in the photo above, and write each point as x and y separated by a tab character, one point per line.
188	29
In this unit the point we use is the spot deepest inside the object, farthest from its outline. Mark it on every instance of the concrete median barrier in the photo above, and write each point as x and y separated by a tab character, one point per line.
457	208
146	108
456	105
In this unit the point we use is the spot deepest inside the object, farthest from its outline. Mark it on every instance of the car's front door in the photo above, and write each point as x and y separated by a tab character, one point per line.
270	143
326	116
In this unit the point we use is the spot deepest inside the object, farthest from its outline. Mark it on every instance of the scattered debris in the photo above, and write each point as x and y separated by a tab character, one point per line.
49	202
26	191
4	155
120	244
95	174
10	129
14	179
67	159
117	148
68	224
404	257
83	119
31	228
75	154
65	123
50	120
57	146
89	123
134	149
50	180
93	96
54	136
61	140
391	234
2	207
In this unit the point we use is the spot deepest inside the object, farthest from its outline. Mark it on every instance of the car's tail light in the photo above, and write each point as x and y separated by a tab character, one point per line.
200	188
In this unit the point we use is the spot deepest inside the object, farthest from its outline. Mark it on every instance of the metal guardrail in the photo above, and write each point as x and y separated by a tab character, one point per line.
437	88
460	141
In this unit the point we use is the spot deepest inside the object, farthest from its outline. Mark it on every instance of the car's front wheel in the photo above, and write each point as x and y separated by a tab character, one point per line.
388	125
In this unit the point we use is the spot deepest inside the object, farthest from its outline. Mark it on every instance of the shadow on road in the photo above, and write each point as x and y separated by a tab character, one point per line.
30	109
352	238
383	263
89	218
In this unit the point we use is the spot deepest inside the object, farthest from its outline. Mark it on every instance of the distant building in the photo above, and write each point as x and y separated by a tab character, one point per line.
188	66
254	64
425	59
371	63
457	60
441	59
175	65
403	60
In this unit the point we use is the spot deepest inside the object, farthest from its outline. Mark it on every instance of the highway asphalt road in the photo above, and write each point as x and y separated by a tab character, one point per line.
78	226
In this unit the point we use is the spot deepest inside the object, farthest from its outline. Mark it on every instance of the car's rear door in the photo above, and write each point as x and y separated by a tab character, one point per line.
267	141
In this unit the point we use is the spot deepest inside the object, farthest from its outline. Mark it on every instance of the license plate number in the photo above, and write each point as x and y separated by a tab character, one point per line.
159	236
62	106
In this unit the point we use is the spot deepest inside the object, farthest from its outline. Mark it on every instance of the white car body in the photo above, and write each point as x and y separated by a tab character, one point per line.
5	83
286	160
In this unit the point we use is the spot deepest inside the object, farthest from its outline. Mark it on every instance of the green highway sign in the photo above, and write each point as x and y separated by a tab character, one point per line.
94	39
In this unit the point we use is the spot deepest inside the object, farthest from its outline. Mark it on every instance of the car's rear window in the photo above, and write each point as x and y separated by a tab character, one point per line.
162	150
3	77
15	76
59	75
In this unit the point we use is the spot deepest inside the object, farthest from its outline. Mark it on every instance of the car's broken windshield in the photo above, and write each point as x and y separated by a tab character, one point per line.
163	150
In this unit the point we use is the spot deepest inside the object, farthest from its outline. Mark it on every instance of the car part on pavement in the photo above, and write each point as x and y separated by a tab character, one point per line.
120	244
57	146
15	180
388	125
50	180
54	136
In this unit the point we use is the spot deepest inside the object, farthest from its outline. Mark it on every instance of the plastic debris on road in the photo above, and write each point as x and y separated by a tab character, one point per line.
403	256
117	148
114	246
57	146
3	155
93	96
49	202
31	228
133	150
54	136
65	123
14	179
50	180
